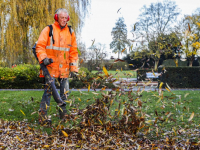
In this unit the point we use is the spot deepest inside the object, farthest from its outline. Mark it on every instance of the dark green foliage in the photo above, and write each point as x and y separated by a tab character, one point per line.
27	77
110	65
84	71
171	62
119	66
180	77
139	62
20	77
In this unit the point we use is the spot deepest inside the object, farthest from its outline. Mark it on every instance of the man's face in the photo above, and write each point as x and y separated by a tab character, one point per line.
62	19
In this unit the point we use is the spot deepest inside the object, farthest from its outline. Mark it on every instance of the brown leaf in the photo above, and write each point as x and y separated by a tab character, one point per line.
110	67
189	27
139	103
123	50
119	60
156	112
81	61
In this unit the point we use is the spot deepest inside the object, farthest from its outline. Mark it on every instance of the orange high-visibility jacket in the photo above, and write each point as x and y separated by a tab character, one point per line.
63	52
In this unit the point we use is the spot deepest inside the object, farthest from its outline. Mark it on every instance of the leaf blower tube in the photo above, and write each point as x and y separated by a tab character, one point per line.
47	75
55	93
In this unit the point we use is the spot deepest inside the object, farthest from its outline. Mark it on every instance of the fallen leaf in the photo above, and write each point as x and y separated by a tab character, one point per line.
22	112
191	117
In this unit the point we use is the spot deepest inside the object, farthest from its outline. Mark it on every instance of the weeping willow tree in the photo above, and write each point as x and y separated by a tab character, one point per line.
22	21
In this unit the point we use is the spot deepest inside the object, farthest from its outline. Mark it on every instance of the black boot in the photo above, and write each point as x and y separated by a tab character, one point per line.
62	111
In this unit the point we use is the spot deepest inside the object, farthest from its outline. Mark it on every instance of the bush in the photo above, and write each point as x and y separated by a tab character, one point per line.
171	63
83	71
20	77
90	65
120	65
180	77
27	77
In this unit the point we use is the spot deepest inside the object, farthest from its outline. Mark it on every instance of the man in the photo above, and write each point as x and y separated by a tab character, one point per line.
59	54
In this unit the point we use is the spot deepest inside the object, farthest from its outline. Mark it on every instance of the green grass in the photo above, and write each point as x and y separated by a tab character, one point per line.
122	74
19	105
174	108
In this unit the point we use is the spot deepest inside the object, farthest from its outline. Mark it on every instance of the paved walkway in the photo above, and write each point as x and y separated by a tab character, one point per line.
133	89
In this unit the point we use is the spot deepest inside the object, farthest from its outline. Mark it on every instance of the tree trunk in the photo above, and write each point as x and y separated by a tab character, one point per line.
25	42
118	54
176	62
190	63
156	65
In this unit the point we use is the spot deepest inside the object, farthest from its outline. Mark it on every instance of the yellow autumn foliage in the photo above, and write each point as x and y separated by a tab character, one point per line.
22	21
196	45
198	24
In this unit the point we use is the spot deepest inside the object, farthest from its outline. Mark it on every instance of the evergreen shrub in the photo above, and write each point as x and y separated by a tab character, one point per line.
180	77
171	63
27	77
20	77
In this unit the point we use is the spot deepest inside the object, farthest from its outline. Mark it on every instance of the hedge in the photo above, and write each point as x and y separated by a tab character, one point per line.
180	77
171	63
27	77
20	77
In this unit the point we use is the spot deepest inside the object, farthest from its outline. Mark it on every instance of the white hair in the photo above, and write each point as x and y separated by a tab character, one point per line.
62	10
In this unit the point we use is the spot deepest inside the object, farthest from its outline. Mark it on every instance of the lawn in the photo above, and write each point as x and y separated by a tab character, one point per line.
19	105
122	74
169	119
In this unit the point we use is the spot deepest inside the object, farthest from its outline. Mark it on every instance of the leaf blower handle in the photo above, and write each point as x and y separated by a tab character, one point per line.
55	93
47	61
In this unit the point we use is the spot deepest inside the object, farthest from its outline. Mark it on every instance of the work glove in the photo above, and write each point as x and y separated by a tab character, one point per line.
73	75
47	61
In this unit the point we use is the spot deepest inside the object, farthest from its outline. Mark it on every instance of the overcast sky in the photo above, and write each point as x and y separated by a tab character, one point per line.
103	15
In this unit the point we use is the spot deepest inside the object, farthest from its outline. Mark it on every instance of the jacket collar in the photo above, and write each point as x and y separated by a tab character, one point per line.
57	24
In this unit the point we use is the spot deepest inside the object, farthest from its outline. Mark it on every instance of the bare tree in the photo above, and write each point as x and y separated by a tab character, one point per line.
97	51
156	19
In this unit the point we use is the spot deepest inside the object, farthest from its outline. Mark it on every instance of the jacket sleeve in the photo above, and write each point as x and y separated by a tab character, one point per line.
42	43
73	55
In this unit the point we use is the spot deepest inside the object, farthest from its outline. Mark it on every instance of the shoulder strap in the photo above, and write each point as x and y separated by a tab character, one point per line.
51	29
51	32
70	29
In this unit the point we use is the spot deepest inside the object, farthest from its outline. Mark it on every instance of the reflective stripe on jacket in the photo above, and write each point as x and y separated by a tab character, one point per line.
63	52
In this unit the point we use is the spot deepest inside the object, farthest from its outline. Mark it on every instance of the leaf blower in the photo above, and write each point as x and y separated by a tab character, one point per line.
47	75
